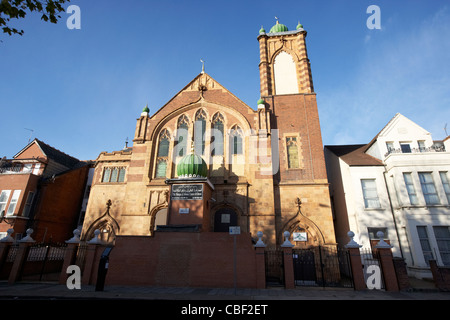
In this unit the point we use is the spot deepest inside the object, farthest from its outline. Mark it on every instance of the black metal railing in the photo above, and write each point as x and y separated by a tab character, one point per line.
440	148
322	266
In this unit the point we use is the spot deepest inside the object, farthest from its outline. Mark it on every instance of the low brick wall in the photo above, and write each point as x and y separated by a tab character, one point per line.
402	273
441	276
183	259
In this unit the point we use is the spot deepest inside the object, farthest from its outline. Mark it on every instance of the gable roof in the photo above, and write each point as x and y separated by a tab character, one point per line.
354	155
389	125
52	154
206	82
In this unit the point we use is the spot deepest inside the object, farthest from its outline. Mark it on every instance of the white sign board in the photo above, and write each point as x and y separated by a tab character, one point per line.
300	236
235	230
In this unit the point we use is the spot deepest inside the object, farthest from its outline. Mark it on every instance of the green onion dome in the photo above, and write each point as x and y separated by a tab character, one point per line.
278	28
260	101
262	30
299	26
146	109
192	166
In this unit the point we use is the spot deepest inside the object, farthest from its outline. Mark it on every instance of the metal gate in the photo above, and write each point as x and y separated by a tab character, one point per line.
322	266
44	262
6	265
369	259
274	264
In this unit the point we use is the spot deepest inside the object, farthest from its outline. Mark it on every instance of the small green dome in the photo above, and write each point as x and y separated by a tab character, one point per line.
278	28
192	166
261	101
146	109
299	26
262	30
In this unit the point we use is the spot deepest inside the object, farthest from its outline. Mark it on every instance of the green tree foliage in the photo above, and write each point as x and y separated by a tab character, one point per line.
17	9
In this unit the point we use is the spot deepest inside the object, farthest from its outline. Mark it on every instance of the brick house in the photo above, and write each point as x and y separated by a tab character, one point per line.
41	188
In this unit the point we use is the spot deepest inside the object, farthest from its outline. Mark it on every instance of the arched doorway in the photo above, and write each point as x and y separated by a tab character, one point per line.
225	218
160	218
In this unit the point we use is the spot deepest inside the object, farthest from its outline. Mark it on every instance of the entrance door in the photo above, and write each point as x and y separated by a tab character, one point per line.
304	267
224	219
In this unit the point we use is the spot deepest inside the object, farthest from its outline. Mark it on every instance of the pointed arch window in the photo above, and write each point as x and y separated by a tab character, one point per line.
164	143
217	135
292	153
285	74
199	132
236	145
161	168
163	154
182	136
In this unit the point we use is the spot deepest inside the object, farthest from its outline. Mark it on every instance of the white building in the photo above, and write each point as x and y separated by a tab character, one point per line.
399	183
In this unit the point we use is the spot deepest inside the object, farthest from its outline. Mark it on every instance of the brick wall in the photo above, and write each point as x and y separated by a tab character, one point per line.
441	276
59	205
182	259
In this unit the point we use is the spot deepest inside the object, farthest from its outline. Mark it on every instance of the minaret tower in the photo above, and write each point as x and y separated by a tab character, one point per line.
284	64
288	97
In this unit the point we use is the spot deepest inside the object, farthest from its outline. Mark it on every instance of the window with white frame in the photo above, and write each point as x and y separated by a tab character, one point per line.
421	145
442	234
407	176
370	194
28	203
390	146
13	203
425	244
428	188
4	196
405	147
37	166
445	184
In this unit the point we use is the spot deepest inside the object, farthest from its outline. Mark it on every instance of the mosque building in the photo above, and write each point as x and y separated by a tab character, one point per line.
262	167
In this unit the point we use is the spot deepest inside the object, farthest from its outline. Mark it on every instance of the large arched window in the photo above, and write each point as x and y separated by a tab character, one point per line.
182	136
217	135
199	132
163	154
236	146
292	153
285	74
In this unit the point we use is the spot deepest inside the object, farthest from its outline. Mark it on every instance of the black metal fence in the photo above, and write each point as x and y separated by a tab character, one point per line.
322	266
44	262
274	267
6	265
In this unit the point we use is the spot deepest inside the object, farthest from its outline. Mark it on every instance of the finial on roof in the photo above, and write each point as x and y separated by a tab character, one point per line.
203	65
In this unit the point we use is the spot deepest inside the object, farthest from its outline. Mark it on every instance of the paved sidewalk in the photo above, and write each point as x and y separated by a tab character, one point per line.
43	291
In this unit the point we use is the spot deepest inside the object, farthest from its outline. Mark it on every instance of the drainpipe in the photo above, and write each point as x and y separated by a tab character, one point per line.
392	210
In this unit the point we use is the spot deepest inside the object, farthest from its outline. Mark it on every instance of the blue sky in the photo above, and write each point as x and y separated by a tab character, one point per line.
81	91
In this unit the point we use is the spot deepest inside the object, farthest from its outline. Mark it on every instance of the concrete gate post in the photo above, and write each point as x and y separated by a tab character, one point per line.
93	253
69	255
289	279
260	263
355	262
387	264
21	256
